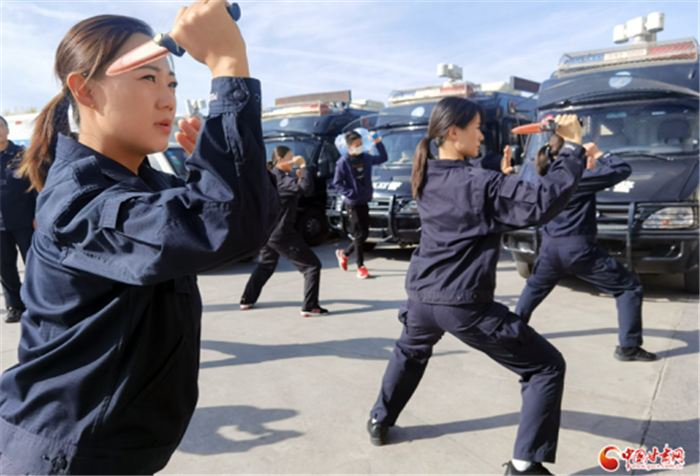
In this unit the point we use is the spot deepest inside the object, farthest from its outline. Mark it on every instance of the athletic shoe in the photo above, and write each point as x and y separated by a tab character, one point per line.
246	305
535	468
362	272
378	432
318	312
342	260
629	354
13	315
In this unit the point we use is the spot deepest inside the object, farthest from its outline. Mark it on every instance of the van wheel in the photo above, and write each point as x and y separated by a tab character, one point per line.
691	280
313	226
524	269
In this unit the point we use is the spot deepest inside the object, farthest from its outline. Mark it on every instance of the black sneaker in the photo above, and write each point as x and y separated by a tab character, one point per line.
317	312
13	315
535	468
630	354
378	432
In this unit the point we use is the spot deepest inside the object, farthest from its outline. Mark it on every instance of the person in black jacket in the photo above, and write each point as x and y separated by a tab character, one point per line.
569	245
109	355
285	241
464	208
17	204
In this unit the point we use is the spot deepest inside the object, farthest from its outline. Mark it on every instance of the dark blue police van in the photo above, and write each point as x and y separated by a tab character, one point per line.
308	125
640	102
402	124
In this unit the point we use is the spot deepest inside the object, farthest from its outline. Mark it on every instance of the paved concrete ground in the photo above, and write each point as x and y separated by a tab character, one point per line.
280	394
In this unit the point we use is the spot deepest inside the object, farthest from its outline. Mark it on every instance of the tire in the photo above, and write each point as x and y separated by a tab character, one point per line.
691	281
524	269
313	226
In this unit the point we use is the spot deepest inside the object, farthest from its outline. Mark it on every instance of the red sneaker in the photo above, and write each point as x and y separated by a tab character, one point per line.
318	312
342	260
362	272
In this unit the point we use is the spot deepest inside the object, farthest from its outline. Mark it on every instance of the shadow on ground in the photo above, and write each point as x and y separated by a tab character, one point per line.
691	339
359	306
613	427
363	349
234	429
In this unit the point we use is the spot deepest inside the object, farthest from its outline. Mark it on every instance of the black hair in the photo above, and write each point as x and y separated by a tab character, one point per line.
277	153
4	122
450	111
351	137
547	153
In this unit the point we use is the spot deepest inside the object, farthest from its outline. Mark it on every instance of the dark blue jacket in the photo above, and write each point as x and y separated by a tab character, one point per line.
289	190
344	181
108	360
16	204
579	216
464	209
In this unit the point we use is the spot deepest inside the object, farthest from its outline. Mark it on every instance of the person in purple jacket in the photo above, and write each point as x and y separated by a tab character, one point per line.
353	179
569	245
464	209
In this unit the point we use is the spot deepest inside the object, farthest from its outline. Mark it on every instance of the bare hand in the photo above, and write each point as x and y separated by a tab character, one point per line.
590	163
506	167
299	161
190	131
378	139
592	150
210	36
299	173
569	128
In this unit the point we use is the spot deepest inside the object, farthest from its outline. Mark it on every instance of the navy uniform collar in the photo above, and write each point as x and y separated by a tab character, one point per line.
12	148
69	149
449	164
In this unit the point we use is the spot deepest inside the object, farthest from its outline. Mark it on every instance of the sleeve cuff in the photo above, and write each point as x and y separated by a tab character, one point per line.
232	95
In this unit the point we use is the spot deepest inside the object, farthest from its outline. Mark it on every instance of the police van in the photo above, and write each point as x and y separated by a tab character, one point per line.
403	123
308	125
640	102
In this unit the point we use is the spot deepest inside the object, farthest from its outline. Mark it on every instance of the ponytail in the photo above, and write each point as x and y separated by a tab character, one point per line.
547	154
39	156
420	159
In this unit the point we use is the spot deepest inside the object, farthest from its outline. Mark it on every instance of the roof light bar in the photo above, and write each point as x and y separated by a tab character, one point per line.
453	88
641	54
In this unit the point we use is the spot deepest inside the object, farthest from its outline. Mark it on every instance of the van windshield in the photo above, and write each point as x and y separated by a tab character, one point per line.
401	145
659	128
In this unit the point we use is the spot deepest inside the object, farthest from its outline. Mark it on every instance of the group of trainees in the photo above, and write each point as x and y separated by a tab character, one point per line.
108	360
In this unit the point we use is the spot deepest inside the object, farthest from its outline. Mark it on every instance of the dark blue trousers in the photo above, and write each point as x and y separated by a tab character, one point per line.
10	240
501	335
582	257
295	250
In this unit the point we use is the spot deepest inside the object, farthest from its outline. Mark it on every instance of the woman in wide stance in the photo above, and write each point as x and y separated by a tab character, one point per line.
108	359
464	208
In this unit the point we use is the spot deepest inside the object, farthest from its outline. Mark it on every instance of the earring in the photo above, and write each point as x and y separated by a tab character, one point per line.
92	106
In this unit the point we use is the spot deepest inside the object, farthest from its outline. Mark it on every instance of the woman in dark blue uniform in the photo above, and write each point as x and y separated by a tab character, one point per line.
285	241
569	245
17	204
451	279
108	360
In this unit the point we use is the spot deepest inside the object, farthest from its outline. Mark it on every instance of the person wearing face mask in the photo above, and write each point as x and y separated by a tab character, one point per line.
17	204
353	179
285	240
464	208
